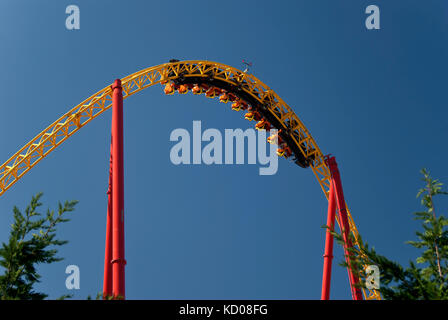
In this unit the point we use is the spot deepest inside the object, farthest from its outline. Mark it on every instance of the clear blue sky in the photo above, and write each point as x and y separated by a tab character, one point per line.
374	99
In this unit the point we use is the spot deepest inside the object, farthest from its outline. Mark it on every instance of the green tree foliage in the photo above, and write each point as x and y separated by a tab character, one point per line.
101	296
426	278
32	241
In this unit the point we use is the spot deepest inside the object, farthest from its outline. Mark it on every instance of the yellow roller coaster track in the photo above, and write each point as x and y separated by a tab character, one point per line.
299	139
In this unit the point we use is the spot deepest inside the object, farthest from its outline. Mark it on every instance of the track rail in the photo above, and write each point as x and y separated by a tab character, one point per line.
304	147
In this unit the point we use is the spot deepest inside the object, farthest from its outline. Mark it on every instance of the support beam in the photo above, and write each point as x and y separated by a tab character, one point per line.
328	255
107	282
345	227
118	260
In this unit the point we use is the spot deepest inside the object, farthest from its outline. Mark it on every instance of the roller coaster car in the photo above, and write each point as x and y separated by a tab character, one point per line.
224	98
183	89
252	115
169	88
199	88
232	97
255	111
284	152
275	138
196	89
263	124
210	93
239	105
213	92
236	106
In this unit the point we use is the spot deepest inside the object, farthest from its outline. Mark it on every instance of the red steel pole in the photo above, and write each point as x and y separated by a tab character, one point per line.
343	220
107	282
328	255
118	260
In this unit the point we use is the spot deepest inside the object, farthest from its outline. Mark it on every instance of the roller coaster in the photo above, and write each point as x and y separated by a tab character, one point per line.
246	93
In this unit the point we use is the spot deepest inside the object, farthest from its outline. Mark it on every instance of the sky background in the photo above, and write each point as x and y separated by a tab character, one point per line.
374	99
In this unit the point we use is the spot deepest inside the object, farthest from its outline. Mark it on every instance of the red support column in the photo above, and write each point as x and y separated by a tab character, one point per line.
343	220
118	260
107	282
328	255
